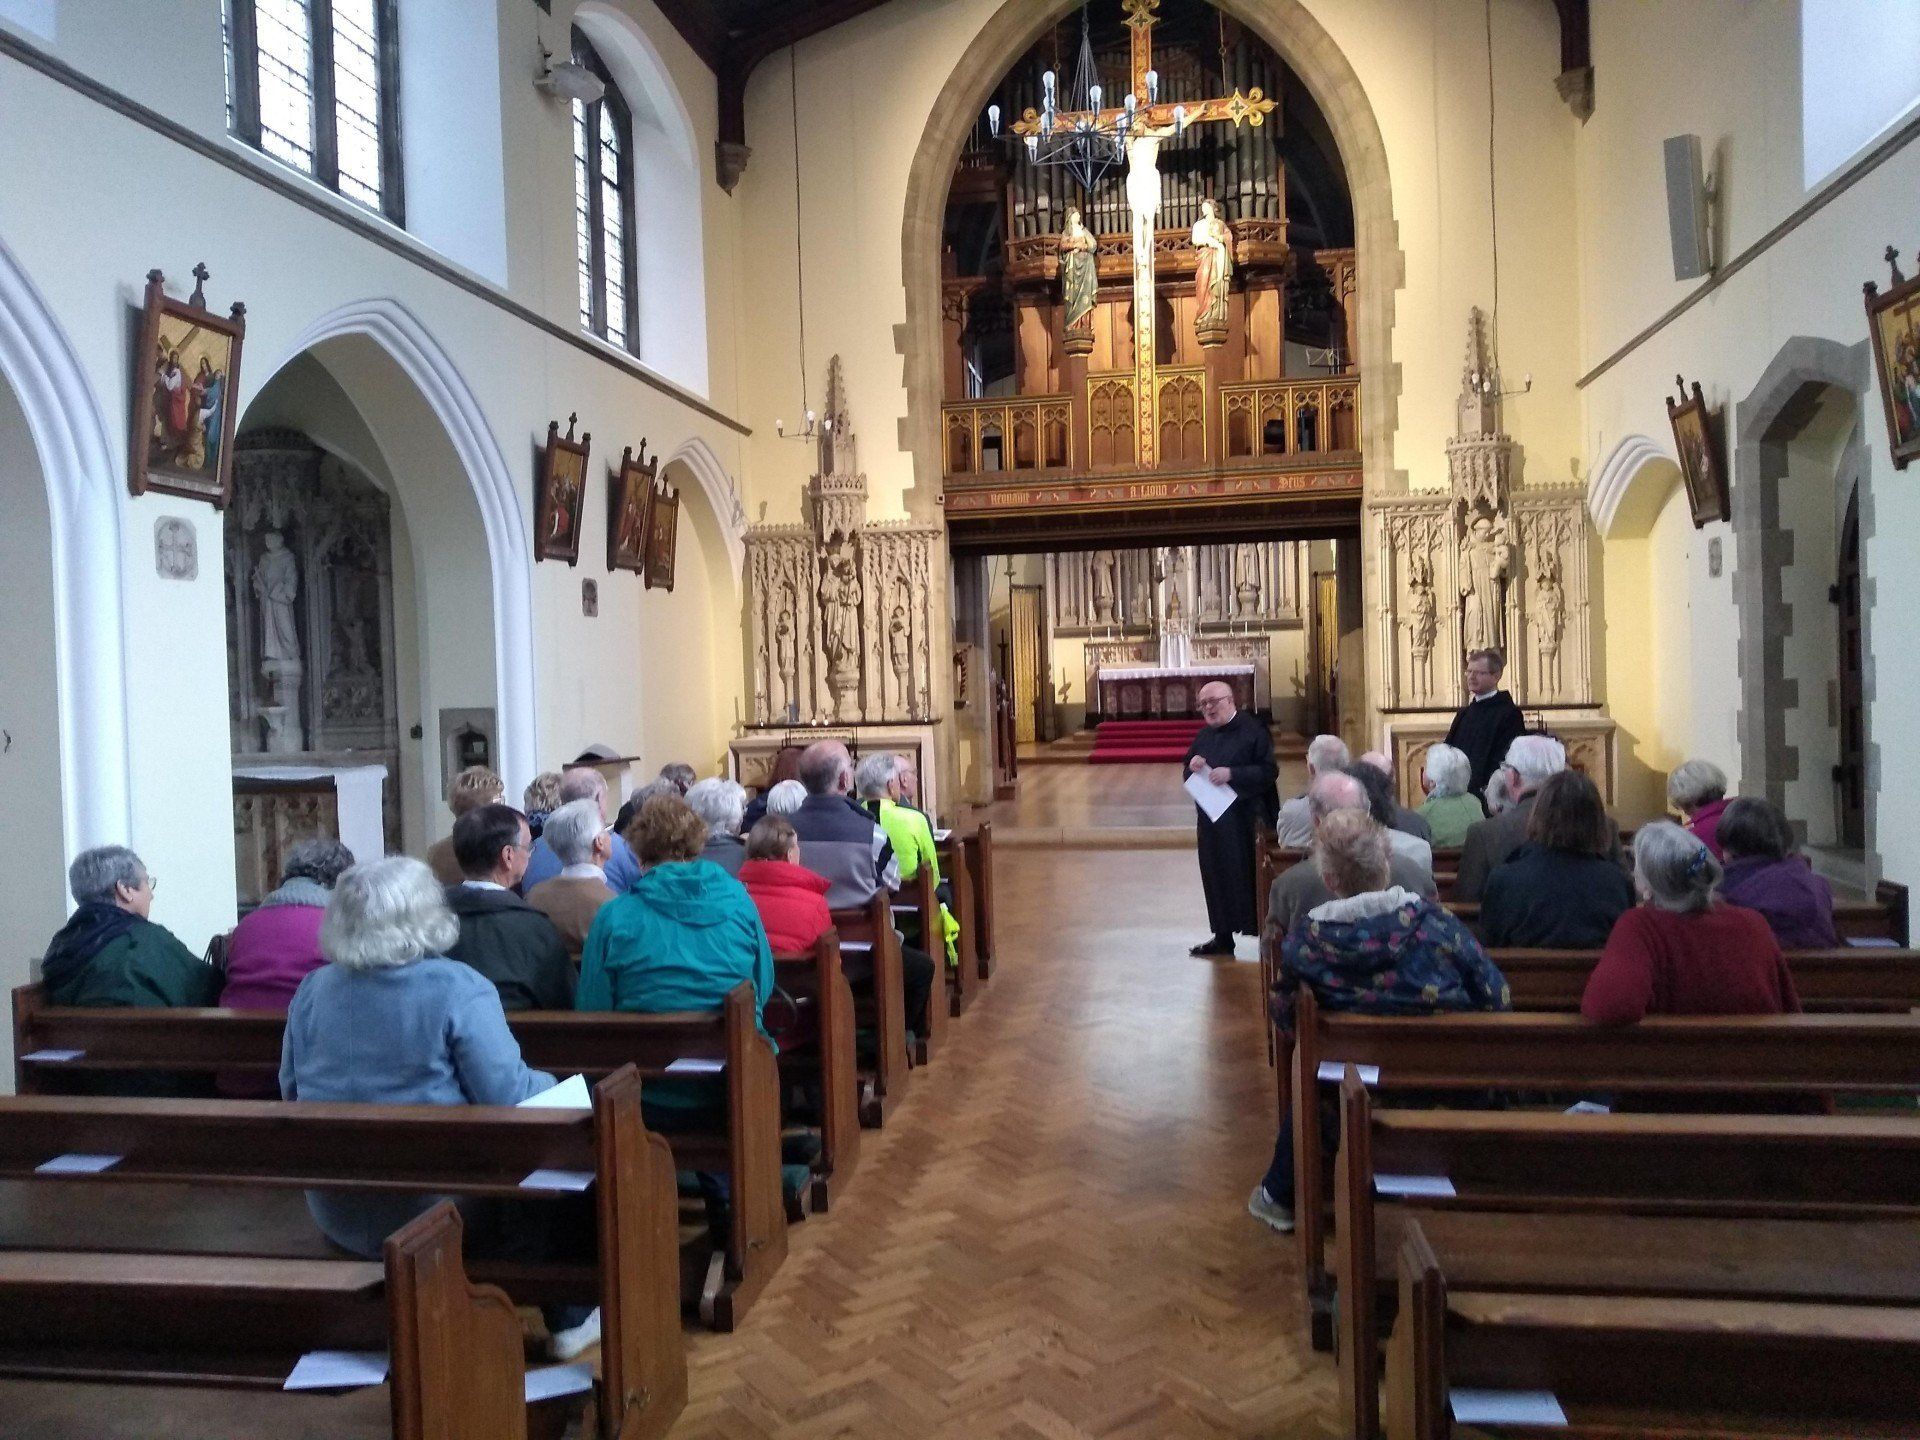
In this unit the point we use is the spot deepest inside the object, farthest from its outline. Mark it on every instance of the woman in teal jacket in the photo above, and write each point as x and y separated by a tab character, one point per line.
680	939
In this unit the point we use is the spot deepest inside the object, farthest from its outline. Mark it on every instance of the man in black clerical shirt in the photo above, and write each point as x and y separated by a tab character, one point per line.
1235	749
1489	722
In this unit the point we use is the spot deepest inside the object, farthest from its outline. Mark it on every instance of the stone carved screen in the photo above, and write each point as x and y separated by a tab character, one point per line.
309	549
1257	585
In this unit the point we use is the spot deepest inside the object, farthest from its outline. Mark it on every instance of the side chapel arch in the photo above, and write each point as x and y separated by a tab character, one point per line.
502	509
83	471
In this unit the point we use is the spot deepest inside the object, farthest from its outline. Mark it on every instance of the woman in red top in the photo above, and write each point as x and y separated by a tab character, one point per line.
1681	951
791	899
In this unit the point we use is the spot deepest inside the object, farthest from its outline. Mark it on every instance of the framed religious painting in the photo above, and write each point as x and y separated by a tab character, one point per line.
663	533
1894	321
1701	462
560	492
186	370
630	510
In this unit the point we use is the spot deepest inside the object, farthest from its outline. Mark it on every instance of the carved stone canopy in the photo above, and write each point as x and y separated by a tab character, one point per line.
839	620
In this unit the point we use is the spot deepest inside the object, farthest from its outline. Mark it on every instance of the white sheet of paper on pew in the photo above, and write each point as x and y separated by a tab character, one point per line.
1428	1186
549	1382
338	1370
77	1165
53	1057
558	1180
696	1065
940	837
1506	1407
855	947
1336	1070
569	1094
1880	942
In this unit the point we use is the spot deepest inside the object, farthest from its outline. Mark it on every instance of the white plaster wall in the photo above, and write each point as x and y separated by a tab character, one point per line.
866	88
75	177
1728	70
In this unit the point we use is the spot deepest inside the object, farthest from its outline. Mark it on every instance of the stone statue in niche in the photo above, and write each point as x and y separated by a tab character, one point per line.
1423	626
1246	594
1106	570
900	654
783	663
1079	282
1488	557
1213	270
1550	608
276	583
840	596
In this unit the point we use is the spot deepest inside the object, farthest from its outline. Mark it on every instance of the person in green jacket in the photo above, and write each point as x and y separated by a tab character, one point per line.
680	939
878	782
1450	807
110	953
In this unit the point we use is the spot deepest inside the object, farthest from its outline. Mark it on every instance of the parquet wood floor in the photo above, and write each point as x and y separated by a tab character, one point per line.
1083	800
1049	1239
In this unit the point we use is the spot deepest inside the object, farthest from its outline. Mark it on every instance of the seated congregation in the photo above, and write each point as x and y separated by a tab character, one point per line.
397	983
1489	1191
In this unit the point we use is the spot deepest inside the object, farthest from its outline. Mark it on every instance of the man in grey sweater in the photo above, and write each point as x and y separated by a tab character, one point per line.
1299	887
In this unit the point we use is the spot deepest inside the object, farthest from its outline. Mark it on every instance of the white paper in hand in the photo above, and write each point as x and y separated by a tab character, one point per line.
1214	800
569	1094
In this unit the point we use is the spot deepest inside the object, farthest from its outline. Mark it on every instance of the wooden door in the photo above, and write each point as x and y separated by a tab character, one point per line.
1323	655
1851	773
1025	620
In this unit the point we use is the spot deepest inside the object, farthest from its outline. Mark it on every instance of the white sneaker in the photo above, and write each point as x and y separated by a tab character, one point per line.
568	1344
1269	1211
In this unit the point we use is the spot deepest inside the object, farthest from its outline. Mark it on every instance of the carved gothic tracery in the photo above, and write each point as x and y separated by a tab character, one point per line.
839	618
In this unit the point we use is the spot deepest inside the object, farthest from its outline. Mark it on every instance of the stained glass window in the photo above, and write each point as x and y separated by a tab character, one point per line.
603	201
309	83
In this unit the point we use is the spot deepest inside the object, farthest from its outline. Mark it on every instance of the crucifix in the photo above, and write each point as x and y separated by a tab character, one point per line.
1145	122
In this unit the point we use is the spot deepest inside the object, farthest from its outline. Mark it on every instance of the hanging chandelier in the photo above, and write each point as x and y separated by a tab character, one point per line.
1080	136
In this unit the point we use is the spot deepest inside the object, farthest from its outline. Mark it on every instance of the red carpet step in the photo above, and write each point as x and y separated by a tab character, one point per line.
1142	742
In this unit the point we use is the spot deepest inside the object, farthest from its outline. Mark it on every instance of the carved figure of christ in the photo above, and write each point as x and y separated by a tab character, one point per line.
1149	125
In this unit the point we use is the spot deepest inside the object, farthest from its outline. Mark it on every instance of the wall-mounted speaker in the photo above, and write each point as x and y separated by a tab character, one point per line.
1688	202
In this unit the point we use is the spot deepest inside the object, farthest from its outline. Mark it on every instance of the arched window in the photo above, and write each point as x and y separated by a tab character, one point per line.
311	83
603	203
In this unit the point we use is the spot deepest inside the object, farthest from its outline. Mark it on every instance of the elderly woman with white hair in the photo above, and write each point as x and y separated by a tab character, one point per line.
109	952
389	1020
1449	807
1681	951
1698	790
720	804
786	797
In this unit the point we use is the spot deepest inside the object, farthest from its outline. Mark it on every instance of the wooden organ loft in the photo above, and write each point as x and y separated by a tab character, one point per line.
1255	427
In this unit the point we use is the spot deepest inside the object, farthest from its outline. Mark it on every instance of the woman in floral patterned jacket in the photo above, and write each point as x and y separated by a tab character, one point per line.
1376	949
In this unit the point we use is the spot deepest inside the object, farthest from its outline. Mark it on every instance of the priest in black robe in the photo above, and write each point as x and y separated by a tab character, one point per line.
1234	749
1489	722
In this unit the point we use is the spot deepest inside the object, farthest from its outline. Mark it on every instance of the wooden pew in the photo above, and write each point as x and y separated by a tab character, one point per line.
746	1147
820	1052
977	847
1875	919
869	931
1780	1056
1854	979
1761	1207
270	1145
1662	1365
917	901
968	974
455	1349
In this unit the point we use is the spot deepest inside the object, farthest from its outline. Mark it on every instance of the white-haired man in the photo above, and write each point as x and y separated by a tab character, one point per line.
1531	761
583	782
1326	755
1301	887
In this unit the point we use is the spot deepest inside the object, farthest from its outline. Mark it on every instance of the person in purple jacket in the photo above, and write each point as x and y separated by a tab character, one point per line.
277	945
1763	873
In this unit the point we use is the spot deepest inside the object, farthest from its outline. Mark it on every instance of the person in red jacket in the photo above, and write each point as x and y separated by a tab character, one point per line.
1682	951
791	899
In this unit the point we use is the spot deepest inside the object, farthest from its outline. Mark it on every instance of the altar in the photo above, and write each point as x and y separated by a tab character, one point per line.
1166	692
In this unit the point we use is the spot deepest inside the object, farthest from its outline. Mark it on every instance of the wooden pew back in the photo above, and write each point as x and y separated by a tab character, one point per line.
824	1050
917	901
869	931
1854	979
